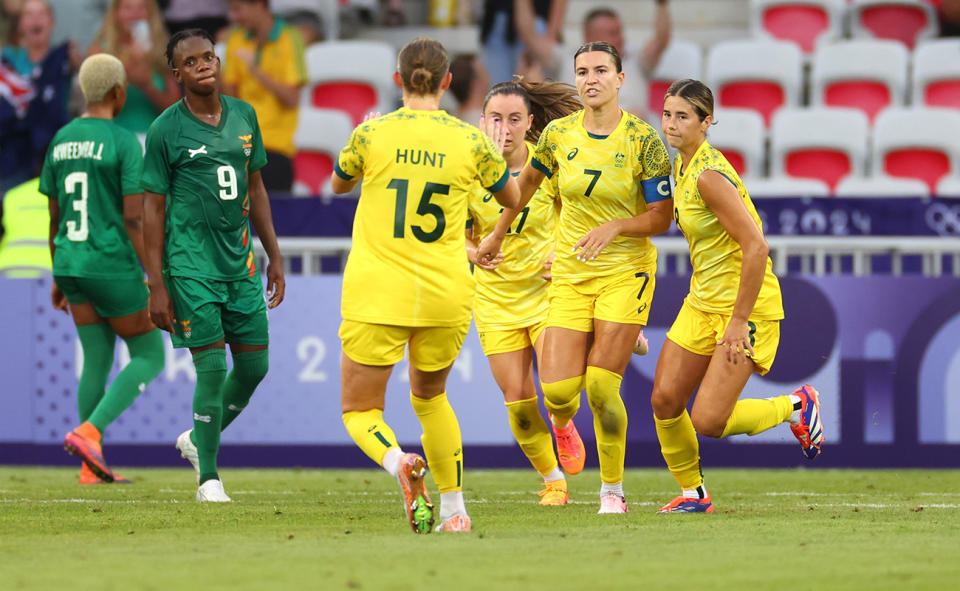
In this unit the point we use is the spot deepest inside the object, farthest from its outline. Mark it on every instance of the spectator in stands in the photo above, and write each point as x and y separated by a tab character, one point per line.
79	21
209	15
27	125
265	67
133	31
9	11
604	24
503	46
469	86
949	13
309	24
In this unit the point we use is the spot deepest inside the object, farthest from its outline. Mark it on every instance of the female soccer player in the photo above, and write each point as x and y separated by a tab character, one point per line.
510	307
729	325
92	175
613	174
407	279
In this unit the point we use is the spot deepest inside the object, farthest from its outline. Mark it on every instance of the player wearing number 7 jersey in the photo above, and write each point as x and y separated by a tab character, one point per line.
407	279
202	180
92	177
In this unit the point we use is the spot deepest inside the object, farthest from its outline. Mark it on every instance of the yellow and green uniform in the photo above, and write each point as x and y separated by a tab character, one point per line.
281	57
24	249
514	295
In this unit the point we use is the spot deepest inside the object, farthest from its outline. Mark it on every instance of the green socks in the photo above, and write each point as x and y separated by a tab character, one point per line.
97	341
207	409
146	363
248	370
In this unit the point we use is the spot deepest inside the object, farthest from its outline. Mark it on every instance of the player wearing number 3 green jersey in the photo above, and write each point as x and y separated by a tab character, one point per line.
407	279
203	187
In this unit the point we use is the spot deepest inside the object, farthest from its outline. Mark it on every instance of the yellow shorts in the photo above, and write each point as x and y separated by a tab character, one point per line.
698	332
511	339
432	348
623	297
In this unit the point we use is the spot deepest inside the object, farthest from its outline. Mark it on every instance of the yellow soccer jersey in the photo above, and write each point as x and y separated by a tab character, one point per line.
514	295
603	178
715	255
408	264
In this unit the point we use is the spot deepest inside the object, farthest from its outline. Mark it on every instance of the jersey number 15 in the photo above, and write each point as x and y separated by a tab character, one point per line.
424	208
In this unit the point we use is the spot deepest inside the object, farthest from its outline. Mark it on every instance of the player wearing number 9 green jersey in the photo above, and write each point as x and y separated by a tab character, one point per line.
407	279
203	187
92	176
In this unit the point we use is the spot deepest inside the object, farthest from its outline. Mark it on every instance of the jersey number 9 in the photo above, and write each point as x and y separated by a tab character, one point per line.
227	177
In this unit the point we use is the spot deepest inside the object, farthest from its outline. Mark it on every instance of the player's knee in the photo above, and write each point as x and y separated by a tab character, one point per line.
563	392
665	405
250	368
709	424
148	349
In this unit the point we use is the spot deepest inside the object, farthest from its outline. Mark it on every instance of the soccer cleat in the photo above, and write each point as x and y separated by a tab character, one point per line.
688	505
212	491
612	503
90	452
88	477
570	450
188	451
554	493
416	501
642	346
458	522
809	431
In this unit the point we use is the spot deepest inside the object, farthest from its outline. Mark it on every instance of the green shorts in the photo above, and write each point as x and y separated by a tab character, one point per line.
111	298
208	311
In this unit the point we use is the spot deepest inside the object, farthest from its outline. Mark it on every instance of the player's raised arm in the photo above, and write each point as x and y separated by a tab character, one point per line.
262	220
154	228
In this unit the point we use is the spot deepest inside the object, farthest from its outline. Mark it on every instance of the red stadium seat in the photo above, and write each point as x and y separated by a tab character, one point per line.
869	75
936	74
906	21
320	135
739	135
904	144
762	75
821	143
353	76
681	59
804	22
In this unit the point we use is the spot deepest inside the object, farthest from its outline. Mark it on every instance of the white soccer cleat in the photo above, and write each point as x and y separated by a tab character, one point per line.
212	491
188	451
612	503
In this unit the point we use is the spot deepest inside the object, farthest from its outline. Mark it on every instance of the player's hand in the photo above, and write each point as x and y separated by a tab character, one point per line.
371	115
736	341
594	241
161	308
136	62
489	264
246	56
276	284
59	300
548	266
488	249
494	130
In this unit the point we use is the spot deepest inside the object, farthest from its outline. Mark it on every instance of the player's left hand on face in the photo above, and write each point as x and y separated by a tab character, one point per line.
494	129
736	341
276	284
594	241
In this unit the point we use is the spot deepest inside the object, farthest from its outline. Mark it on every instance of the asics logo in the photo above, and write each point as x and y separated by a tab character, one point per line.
200	150
572	153
488	197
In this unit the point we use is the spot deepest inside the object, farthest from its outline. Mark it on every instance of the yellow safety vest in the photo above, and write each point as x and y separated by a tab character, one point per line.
25	248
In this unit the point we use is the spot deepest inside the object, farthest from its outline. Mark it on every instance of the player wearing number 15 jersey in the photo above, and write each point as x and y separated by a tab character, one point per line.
203	188
92	176
407	279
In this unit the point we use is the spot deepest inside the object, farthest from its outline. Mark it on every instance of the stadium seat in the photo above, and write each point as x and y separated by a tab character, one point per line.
906	21
787	187
917	143
762	75
936	74
320	135
352	76
804	22
949	186
881	186
681	59
865	74
823	143
739	135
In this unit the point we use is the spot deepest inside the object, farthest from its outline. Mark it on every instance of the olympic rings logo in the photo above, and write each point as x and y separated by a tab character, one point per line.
944	219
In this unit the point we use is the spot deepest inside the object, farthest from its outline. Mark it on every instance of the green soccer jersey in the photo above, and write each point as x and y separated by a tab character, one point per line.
90	165
204	172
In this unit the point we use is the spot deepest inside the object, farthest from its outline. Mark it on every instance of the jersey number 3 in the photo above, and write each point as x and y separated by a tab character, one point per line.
424	208
77	232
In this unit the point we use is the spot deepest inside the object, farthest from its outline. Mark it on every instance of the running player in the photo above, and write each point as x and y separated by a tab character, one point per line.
613	173
510	307
729	325
92	175
203	186
407	279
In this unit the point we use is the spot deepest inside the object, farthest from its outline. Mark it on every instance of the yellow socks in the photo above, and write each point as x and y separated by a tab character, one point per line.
562	399
532	434
609	421
680	449
756	415
441	441
370	433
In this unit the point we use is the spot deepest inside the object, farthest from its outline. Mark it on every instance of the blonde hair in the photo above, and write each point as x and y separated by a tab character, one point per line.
109	37
99	74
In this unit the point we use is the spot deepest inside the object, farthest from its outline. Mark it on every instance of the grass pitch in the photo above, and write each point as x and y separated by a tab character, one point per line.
327	529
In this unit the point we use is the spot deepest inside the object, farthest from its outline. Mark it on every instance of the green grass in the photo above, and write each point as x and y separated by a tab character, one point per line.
339	529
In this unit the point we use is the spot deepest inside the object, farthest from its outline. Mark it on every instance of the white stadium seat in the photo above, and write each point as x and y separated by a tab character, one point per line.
762	75
353	76
320	135
904	21
917	143
824	143
866	74
936	74
739	134
881	186
808	23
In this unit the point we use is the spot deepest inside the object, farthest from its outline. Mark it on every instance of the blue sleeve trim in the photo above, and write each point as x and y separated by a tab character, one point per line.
469	223
539	166
656	189
340	173
499	185
728	178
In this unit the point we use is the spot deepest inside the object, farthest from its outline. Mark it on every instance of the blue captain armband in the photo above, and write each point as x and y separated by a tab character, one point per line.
656	189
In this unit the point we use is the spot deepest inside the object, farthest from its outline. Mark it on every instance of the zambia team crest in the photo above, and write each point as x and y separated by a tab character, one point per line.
187	331
247	146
